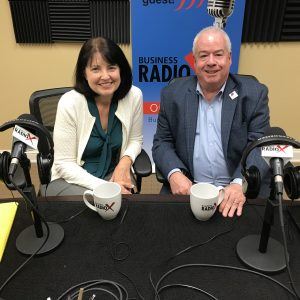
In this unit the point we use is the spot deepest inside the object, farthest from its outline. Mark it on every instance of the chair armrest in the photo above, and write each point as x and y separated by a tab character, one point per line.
142	165
159	177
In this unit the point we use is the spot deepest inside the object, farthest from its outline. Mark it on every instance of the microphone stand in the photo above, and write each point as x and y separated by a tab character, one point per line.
32	237
263	253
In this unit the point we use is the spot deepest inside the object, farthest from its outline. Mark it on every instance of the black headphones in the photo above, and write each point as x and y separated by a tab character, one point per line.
252	179
45	156
292	181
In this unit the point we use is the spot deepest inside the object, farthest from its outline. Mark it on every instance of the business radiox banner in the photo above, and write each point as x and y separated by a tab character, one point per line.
162	36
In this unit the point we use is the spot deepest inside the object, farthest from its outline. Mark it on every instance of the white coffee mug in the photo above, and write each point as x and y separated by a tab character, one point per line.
204	199
107	199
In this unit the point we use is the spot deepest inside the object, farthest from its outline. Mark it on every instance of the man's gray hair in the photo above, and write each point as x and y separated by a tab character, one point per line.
215	29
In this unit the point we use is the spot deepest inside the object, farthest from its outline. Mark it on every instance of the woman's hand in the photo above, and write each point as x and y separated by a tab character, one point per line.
121	175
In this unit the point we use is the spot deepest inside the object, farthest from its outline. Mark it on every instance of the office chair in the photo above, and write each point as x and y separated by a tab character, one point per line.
159	176
43	105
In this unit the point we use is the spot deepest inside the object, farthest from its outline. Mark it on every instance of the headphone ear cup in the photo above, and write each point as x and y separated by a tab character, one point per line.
291	180
252	177
5	159
44	165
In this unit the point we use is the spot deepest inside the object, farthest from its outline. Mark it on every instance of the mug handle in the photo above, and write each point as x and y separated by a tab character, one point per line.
88	192
221	196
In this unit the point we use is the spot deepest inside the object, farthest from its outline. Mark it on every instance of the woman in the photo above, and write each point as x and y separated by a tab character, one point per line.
98	127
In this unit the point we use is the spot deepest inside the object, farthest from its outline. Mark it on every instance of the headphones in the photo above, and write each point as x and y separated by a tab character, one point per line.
292	181
251	176
45	156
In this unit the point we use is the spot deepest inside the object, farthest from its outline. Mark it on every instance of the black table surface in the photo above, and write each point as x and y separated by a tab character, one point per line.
154	229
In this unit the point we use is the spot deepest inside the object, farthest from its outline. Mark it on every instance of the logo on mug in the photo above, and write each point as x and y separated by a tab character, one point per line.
105	207
209	207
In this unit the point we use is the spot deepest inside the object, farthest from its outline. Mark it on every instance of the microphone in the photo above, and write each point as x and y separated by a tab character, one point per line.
220	10
277	155
22	139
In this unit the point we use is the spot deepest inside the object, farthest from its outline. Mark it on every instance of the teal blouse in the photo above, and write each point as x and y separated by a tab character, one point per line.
102	152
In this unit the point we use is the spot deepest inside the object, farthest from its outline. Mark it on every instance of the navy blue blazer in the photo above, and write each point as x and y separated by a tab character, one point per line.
244	119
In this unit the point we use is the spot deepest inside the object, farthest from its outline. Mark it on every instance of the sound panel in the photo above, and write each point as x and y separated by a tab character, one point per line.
111	19
70	20
291	21
31	21
263	20
48	21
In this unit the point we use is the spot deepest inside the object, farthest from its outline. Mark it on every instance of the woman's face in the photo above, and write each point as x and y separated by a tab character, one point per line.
103	78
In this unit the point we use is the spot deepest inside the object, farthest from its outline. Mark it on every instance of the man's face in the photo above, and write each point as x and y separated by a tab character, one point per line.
212	60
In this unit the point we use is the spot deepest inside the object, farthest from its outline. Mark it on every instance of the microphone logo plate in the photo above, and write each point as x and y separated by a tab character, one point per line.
25	136
284	151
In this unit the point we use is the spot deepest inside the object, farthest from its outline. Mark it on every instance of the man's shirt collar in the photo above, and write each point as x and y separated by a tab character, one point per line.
218	95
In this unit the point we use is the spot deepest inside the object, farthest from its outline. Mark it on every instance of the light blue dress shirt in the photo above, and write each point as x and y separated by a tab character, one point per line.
208	159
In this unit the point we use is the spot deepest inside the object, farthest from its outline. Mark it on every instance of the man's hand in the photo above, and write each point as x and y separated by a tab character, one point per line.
234	200
121	175
180	184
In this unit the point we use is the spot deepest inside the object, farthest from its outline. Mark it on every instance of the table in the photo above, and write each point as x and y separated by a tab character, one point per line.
153	230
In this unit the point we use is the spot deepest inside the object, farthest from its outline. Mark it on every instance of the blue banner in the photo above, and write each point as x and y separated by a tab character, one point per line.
162	36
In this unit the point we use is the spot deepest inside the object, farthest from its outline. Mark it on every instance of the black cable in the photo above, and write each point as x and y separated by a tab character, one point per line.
95	289
203	243
45	241
294	292
68	218
189	249
88	284
288	225
12	194
279	196
223	267
114	253
90	287
180	285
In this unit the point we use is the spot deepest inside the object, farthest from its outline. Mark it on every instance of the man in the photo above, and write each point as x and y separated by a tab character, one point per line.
206	121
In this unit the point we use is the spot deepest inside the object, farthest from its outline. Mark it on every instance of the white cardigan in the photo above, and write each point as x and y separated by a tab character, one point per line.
72	130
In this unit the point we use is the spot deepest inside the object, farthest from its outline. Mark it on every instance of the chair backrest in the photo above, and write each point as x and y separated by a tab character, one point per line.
43	105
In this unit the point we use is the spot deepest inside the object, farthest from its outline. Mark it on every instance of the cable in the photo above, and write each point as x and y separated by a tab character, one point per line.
94	289
279	196
45	241
88	284
203	243
186	286
12	194
189	249
114	253
294	292
222	267
68	218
